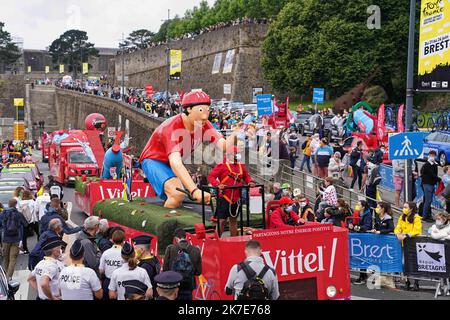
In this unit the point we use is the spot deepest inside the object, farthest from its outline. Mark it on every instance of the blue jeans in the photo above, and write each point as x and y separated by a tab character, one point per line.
428	192
306	159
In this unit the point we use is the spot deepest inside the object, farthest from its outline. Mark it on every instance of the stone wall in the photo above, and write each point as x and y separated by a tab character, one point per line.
72	108
42	106
149	66
11	86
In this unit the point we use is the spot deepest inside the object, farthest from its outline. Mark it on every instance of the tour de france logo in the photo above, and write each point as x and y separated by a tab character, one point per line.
431	257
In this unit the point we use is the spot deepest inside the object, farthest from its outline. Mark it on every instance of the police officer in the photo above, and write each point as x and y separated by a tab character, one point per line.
146	259
128	271
111	260
76	281
135	290
168	284
254	263
44	277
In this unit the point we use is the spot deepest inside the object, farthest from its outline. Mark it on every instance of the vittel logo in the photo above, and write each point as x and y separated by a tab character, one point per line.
299	262
118	193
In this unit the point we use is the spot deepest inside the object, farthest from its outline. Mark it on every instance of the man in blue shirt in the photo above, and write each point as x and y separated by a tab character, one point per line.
323	155
52	213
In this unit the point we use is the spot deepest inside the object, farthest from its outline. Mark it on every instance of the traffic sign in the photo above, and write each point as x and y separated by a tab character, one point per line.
318	95
406	145
264	104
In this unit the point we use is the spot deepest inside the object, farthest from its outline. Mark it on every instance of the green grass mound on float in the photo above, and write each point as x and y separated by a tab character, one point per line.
154	219
80	186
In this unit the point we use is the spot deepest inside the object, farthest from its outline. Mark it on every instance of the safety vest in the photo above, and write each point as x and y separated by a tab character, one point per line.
233	176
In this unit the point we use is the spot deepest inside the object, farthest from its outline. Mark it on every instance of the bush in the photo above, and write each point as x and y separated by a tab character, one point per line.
375	96
80	186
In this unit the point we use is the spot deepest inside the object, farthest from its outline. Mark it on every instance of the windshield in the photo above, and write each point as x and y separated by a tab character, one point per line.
79	157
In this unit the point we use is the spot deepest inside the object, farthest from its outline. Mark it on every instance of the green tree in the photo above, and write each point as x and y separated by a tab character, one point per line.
328	44
9	52
138	39
72	48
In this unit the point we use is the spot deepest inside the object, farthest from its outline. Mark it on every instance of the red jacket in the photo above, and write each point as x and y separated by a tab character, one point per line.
226	174
278	219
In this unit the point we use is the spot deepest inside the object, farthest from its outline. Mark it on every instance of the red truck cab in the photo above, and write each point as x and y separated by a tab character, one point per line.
69	159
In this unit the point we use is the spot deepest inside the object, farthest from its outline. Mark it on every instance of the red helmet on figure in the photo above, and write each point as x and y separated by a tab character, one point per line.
195	98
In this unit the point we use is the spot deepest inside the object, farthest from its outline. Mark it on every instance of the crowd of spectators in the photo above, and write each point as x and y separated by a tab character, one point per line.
220	25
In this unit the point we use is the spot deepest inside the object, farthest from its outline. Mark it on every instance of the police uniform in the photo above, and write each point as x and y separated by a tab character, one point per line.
134	287
76	281
237	278
110	261
150	264
124	273
168	280
49	267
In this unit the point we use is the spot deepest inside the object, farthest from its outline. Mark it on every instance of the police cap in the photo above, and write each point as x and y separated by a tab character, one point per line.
168	280
142	240
77	250
127	249
134	287
52	243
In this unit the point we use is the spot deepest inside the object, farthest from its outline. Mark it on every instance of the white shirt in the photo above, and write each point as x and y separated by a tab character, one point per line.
31	214
111	260
78	283
124	274
51	268
41	203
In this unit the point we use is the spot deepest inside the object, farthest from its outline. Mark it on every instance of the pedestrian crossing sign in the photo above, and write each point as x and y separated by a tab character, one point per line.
406	145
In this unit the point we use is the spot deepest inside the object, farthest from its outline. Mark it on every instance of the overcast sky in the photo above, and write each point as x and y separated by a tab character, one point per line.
39	22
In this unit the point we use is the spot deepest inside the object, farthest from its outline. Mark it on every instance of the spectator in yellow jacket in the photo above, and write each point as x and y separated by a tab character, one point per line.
409	225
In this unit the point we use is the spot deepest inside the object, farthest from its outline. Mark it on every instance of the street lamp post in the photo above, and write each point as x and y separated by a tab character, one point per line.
123	67
410	94
81	63
168	58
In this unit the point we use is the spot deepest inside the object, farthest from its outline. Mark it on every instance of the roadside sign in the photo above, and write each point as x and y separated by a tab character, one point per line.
18	102
318	95
111	132
227	89
264	104
406	145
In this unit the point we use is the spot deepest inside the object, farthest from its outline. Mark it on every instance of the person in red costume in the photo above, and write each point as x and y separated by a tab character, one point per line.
284	216
175	140
229	173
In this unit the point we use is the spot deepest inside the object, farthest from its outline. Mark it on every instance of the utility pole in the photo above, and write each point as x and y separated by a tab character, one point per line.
123	67
81	63
410	94
168	57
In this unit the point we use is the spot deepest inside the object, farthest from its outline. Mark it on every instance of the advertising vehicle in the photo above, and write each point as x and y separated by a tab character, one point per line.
74	156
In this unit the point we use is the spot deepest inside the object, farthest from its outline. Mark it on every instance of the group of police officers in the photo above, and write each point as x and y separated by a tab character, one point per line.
124	277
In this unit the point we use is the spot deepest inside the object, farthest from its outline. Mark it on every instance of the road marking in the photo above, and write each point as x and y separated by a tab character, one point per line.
360	298
21	276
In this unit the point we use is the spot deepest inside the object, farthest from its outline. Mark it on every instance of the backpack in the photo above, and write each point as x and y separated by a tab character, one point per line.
27	213
183	265
254	287
55	189
12	225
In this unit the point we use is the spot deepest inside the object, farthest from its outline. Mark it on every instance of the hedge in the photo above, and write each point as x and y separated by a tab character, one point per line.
80	186
153	219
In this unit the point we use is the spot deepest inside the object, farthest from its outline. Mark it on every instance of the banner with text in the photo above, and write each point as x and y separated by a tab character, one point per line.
434	45
426	257
175	64
382	251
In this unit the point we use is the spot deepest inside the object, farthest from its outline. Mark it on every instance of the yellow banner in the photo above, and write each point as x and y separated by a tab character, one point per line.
18	102
61	68
175	64
85	68
434	45
29	69
47	69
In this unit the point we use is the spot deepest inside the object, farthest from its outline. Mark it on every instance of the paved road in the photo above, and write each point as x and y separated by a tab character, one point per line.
359	292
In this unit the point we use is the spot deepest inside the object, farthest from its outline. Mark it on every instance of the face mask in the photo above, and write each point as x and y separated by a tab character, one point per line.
439	223
431	159
358	208
302	204
238	157
378	210
288	209
405	210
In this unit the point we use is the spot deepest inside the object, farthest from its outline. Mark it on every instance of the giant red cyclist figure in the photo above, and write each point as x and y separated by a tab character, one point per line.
174	141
